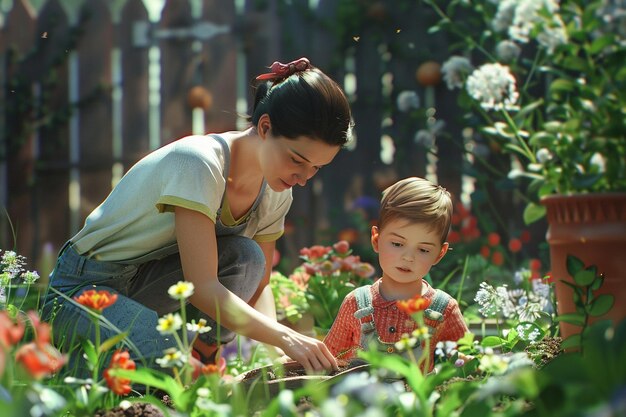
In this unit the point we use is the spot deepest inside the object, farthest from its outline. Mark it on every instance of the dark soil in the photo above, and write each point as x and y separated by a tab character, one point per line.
544	351
135	410
294	370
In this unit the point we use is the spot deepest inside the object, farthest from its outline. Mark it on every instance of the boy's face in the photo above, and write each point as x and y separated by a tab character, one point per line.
407	251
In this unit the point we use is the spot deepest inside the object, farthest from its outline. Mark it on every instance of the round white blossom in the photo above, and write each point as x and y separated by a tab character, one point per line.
527	17
553	36
407	100
507	51
455	70
544	155
504	16
493	86
599	162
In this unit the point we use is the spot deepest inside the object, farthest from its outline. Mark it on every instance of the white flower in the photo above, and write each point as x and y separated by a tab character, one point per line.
170	323
173	357
455	70
181	290
407	100
527	17
507	51
553	36
30	277
493	86
12	263
504	16
199	327
544	155
597	160
494	300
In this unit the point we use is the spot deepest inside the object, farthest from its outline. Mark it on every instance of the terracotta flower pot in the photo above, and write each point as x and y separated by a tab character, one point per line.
591	227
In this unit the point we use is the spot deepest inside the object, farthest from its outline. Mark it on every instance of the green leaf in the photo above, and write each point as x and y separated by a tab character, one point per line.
575	63
600	43
561	85
584	277
601	305
492	341
151	378
112	341
90	351
574	265
571	342
571	318
533	212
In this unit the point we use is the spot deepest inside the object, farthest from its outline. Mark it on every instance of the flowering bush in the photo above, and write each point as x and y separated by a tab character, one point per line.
320	283
547	79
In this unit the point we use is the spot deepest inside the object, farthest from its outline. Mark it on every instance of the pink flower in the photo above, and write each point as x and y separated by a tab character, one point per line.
342	247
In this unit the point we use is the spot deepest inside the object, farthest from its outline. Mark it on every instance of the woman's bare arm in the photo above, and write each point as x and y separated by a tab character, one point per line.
197	243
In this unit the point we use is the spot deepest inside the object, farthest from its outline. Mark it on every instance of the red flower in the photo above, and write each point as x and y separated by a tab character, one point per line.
534	264
314	252
454	237
485	251
120	360
342	247
515	245
497	258
40	359
413	305
96	300
215	368
11	331
493	239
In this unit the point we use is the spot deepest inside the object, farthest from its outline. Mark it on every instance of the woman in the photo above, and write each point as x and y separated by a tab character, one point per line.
208	210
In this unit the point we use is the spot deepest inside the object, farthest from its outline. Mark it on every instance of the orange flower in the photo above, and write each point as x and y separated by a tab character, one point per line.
96	300
11	331
215	368
120	360
413	305
40	359
349	235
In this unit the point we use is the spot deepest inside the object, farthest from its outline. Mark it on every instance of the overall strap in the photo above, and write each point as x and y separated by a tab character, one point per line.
364	309
437	306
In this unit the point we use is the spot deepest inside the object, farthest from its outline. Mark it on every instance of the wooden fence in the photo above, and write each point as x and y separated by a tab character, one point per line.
89	87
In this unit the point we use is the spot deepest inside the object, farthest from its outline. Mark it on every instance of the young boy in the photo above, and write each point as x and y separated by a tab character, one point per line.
410	238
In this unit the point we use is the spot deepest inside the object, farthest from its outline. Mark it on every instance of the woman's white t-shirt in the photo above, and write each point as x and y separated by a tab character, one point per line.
137	217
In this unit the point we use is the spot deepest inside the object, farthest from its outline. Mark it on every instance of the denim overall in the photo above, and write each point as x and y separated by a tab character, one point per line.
369	334
142	284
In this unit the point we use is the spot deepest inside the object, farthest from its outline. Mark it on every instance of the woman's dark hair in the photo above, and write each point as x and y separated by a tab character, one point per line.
307	103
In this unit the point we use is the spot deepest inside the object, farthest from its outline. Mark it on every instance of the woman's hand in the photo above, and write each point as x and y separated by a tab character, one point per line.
311	353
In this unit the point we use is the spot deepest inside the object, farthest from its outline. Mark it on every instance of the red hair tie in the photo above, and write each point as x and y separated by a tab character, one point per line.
280	70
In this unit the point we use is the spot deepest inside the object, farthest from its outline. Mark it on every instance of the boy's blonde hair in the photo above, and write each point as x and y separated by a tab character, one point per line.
418	201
